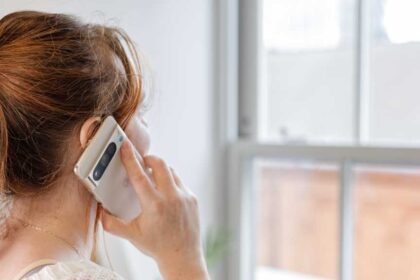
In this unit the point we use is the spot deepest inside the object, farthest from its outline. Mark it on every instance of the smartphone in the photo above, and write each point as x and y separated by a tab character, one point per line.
101	170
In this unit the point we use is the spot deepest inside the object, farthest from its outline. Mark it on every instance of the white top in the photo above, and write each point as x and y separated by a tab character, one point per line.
72	270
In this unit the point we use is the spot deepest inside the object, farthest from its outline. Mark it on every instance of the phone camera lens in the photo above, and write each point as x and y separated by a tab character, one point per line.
97	173
112	147
104	161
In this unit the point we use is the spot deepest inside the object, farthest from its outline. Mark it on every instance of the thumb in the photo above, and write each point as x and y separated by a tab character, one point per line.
114	225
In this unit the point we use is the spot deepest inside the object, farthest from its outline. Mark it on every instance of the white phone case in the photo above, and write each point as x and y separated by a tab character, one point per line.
113	190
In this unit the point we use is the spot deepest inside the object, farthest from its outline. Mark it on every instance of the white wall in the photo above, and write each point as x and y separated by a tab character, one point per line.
177	39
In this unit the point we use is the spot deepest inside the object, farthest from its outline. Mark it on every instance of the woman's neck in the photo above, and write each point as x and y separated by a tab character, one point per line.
57	225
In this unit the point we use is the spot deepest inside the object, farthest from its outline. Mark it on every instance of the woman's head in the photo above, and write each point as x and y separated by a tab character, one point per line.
55	74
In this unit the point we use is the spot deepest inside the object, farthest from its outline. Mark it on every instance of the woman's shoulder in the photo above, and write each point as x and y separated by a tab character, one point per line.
74	270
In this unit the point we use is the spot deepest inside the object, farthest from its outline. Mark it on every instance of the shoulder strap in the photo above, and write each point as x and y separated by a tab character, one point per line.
34	265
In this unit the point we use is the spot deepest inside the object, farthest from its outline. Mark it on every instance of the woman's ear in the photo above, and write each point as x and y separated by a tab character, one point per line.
87	130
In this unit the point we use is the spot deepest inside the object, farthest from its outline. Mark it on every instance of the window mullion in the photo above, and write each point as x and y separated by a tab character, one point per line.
362	68
346	221
250	40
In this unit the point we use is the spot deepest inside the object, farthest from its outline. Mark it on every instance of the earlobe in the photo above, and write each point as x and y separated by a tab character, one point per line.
87	130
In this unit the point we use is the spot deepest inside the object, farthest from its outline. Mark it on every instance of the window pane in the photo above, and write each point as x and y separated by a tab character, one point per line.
387	224
309	67
297	220
395	68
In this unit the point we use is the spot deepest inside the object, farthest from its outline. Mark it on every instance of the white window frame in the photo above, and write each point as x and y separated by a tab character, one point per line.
239	75
242	221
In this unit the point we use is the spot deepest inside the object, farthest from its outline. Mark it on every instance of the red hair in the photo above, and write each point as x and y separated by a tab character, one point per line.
55	73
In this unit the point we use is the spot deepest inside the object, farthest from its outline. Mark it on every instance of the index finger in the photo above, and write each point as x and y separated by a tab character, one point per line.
137	175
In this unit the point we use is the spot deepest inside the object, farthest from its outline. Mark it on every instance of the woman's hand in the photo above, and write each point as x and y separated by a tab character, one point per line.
168	227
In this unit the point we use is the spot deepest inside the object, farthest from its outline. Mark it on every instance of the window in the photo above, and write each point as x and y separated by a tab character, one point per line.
310	59
309	64
386	222
325	212
297	218
394	65
324	176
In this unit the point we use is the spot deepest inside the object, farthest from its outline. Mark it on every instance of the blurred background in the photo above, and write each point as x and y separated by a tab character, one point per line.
295	122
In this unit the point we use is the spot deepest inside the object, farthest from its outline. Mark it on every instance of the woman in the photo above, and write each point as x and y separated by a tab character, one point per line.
59	78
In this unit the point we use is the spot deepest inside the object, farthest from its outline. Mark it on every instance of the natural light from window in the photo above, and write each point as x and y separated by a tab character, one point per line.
402	21
311	64
304	25
301	24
